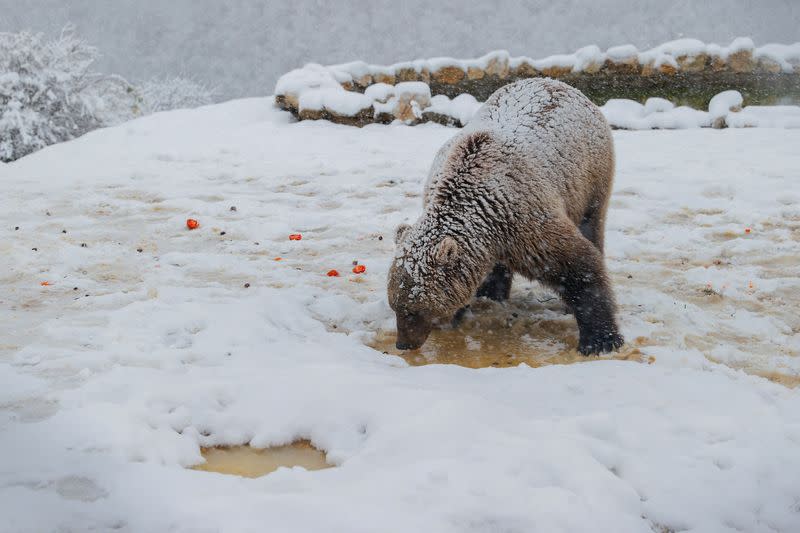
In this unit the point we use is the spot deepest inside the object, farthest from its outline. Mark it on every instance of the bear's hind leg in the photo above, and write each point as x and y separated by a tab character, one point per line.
593	223
497	285
593	226
574	268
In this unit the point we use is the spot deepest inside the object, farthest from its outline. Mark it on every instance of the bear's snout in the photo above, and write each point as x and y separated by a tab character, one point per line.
412	331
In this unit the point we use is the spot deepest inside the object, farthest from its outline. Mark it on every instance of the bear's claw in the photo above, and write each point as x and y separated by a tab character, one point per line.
601	344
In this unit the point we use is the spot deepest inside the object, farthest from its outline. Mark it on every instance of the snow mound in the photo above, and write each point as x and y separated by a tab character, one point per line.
630	115
380	92
765	117
336	100
724	110
461	108
724	103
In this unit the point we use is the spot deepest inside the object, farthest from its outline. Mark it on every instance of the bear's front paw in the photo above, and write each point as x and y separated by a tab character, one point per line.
600	343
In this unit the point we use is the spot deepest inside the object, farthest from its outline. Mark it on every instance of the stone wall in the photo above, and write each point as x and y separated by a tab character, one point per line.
686	74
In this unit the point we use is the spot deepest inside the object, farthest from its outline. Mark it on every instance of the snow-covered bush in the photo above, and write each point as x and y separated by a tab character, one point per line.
49	92
174	93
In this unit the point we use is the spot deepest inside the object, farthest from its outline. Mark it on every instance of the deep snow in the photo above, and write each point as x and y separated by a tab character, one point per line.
110	389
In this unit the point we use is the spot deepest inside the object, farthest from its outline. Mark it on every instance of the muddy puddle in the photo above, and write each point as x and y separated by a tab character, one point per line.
498	336
504	348
493	336
247	461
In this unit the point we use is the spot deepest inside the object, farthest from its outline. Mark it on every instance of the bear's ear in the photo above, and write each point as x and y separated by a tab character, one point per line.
400	233
446	251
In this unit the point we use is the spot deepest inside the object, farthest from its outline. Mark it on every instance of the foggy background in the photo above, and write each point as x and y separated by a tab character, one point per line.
242	46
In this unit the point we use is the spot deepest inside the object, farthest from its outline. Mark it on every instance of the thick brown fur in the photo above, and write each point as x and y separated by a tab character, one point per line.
524	188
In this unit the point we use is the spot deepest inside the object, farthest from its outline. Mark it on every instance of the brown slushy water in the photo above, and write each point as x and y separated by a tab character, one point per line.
492	335
247	461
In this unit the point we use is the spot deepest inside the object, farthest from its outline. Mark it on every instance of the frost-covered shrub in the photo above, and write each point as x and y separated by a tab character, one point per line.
49	93
174	93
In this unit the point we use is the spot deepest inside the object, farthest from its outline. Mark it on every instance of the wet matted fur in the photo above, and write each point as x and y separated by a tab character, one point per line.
524	188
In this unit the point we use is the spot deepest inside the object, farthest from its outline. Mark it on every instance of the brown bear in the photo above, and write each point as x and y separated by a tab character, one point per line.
524	188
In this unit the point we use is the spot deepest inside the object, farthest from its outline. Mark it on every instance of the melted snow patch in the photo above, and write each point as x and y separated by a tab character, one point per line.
247	461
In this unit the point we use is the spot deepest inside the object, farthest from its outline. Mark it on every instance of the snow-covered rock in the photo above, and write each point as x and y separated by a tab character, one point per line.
381	92
721	105
765	117
724	110
460	109
658	105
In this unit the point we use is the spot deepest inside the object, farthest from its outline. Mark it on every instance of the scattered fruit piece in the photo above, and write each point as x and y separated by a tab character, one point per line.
279	259
192	223
295	237
333	273
747	230
45	283
359	269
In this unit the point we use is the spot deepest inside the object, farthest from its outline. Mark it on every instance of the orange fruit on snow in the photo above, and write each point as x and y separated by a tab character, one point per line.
192	223
747	230
45	283
333	273
359	269
295	237
278	258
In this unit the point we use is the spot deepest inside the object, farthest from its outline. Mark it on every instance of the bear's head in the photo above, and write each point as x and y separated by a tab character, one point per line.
430	279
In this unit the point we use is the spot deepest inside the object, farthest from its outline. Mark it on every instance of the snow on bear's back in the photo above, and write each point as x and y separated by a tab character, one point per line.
539	111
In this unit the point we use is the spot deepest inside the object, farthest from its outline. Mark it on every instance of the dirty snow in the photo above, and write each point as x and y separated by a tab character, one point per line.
118	371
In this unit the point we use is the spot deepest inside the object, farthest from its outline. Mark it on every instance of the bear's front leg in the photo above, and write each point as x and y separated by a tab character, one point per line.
575	269
497	285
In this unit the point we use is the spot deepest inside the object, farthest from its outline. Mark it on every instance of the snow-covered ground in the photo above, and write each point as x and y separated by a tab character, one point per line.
117	372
